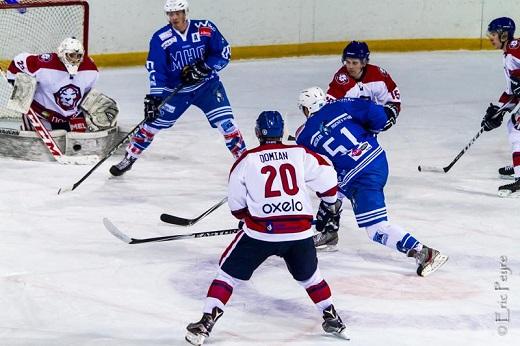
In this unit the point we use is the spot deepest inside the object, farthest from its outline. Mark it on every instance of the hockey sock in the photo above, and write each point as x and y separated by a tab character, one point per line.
234	140
141	140
318	290
516	163
220	291
391	236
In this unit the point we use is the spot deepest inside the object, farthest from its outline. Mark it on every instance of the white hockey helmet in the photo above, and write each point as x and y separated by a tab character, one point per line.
312	98
70	52
176	5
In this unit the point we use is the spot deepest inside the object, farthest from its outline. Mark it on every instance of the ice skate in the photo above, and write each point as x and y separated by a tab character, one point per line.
506	172
510	190
327	241
332	323
428	259
199	331
123	166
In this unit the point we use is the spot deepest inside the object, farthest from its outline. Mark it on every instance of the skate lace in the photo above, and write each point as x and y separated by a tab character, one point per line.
127	161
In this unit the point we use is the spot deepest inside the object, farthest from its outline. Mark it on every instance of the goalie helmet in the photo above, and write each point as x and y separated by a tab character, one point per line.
504	27
176	5
312	98
356	50
71	52
269	126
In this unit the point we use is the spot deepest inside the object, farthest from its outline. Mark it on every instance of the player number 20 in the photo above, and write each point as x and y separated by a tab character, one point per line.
287	175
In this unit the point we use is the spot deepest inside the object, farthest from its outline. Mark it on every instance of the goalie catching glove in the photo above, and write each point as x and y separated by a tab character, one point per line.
100	111
327	218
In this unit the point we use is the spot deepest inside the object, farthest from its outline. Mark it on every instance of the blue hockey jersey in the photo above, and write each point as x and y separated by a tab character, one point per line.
345	132
171	50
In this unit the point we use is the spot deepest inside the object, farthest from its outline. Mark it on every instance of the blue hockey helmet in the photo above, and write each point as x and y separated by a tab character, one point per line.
504	27
269	125
356	50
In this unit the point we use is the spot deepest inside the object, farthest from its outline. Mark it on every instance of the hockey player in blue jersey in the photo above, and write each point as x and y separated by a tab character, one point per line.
345	131
186	52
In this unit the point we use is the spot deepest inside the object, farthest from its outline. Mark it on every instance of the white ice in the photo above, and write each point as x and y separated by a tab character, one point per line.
64	280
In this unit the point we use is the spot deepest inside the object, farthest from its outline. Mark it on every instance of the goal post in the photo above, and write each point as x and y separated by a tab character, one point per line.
35	27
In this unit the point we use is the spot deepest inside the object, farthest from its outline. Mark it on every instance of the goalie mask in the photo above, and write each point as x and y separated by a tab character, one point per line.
71	53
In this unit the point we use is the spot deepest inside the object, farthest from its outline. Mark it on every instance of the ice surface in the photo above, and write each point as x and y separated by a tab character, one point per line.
65	280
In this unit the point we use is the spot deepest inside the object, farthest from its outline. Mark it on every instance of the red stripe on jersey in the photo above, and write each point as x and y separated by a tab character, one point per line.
220	290
241	213
321	159
319	292
87	64
329	193
279	224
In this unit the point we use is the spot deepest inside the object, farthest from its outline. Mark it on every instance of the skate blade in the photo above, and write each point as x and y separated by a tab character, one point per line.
327	248
341	334
507	177
195	339
506	193
437	262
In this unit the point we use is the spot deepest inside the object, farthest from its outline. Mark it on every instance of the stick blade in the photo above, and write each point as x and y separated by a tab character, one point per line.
115	231
175	220
431	169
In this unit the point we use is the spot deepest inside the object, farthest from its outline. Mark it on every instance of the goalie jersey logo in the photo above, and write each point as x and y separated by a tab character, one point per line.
68	97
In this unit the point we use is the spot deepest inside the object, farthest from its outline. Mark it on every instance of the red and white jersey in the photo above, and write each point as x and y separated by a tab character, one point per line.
511	67
58	93
268	189
375	84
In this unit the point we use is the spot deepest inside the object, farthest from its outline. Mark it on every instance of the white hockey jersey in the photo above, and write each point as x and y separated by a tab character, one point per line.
375	84
58	94
268	189
511	67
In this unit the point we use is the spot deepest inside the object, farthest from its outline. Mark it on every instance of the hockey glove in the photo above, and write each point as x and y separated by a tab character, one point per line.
151	107
327	218
392	112
195	73
493	117
515	86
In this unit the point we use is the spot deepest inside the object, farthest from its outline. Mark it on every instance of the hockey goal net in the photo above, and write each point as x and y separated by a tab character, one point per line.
37	26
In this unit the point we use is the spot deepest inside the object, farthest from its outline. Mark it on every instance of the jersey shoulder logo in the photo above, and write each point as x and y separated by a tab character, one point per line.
514	44
45	57
166	35
205	31
342	78
67	97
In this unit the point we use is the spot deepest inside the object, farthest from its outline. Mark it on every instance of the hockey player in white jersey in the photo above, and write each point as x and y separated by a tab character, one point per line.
62	81
500	33
359	79
268	191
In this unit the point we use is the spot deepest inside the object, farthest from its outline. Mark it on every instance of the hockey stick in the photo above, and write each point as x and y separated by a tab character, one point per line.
117	146
123	237
54	149
422	168
180	221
